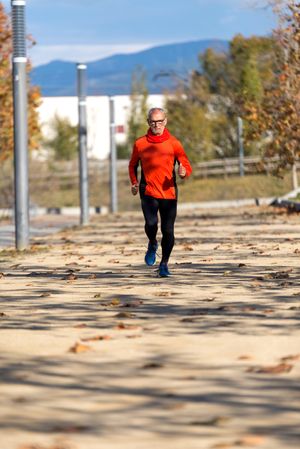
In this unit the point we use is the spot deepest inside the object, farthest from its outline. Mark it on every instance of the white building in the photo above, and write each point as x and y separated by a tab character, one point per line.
98	126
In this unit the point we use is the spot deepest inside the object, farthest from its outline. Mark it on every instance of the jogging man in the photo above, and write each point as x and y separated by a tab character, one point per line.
157	152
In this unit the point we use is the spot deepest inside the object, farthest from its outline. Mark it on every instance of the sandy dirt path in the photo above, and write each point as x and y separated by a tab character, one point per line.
97	352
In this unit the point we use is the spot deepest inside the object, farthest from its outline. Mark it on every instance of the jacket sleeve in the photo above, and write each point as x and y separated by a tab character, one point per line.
133	165
182	157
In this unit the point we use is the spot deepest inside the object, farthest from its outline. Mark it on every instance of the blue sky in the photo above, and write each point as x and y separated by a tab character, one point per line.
87	30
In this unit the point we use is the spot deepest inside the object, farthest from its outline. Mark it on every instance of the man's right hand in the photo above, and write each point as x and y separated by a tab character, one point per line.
134	189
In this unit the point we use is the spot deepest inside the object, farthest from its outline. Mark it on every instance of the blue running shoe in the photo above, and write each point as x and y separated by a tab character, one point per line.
150	256
163	271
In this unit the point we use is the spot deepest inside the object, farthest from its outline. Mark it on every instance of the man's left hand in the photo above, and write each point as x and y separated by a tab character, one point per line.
181	171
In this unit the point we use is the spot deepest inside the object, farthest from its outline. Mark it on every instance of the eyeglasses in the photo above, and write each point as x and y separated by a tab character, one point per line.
156	122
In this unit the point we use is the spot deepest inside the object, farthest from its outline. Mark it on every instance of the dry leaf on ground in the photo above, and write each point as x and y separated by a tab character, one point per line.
97	338
245	357
163	294
276	369
79	347
290	358
70	277
152	365
214	421
222	446
124	326
250	440
134	303
125	315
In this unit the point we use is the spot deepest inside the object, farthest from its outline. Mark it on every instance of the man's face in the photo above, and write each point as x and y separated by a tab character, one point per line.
157	122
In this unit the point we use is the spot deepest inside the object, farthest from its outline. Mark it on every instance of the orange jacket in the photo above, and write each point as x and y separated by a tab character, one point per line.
158	165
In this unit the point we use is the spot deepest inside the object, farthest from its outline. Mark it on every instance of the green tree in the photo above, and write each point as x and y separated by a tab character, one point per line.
64	143
278	116
251	82
6	94
187	121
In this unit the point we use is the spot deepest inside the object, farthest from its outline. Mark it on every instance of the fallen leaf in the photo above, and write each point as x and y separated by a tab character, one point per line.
152	365
70	428
124	315
188	320
163	294
215	421
45	295
134	303
276	369
245	357
78	347
280	275
80	326
188	248
256	283
70	277
97	338
222	446
250	440
175	406
20	400
92	276
290	358
124	326
240	265
249	309
97	295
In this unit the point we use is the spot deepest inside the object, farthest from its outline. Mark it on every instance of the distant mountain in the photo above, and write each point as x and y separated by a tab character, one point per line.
112	75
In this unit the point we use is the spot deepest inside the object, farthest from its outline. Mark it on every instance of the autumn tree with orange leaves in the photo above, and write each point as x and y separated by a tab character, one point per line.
6	94
276	120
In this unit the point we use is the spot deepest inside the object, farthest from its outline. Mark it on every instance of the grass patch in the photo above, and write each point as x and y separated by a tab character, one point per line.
231	188
191	190
59	187
33	249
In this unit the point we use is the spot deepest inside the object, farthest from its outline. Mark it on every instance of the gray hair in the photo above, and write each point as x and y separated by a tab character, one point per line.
150	112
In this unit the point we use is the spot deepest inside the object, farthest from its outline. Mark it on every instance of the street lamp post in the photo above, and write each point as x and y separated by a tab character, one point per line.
241	145
20	125
82	139
113	159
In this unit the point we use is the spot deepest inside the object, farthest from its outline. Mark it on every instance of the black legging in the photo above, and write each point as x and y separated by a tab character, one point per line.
167	210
